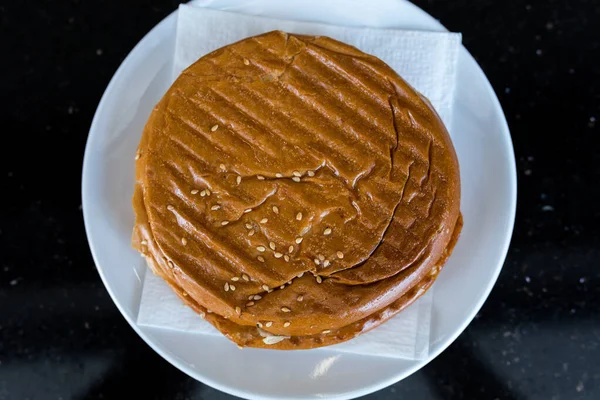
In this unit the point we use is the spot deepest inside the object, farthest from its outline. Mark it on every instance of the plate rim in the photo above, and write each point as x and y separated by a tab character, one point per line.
445	343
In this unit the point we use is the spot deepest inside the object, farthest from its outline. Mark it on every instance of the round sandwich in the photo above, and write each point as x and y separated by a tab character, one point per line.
295	191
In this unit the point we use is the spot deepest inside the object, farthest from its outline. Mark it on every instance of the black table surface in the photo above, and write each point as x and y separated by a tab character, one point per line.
536	337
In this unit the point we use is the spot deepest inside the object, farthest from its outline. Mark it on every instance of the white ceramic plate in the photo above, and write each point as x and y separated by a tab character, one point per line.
482	140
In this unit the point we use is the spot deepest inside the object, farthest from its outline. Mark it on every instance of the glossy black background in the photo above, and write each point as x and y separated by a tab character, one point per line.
537	336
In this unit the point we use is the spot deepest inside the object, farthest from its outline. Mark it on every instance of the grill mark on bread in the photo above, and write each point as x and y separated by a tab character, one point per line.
305	204
324	145
345	98
261	97
241	132
200	140
338	132
335	66
235	255
280	140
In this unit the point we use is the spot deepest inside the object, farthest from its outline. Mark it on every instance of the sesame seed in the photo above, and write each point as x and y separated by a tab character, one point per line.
222	166
275	209
260	177
194	191
207	192
286	258
238	310
215	207
296	179
265	287
326	263
226	287
296	173
264	220
316	260
321	257
245	277
299	240
143	242
248	226
261	249
247	210
286	324
250	297
272	245
291	249
285	309
246	62
137	156
223	223
238	179
340	254
299	216
203	193
319	279
282	287
184	241
257	297
311	173
235	279
258	324
300	298
301	274
278	175
249	304
268	324
327	231
251	233
170	263
170	207
326	331
277	255
232	288
214	128
185	294
260	258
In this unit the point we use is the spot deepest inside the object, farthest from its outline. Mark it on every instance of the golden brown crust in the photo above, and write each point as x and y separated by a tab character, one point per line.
350	177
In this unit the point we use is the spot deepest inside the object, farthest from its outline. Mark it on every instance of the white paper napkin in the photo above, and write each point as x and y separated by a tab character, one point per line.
427	60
